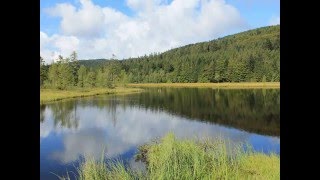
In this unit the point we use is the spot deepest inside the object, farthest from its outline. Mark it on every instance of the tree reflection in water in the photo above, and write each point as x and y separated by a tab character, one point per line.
65	114
255	111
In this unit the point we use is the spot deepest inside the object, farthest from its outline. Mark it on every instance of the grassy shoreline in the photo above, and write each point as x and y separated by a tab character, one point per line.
172	158
49	95
242	85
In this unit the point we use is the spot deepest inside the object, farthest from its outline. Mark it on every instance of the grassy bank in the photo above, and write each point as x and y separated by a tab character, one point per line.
188	159
242	85
47	95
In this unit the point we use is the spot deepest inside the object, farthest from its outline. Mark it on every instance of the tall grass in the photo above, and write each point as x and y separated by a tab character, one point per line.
171	158
101	170
194	159
90	169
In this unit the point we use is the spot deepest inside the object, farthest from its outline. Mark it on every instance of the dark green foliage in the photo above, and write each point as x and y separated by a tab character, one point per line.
243	57
93	63
251	56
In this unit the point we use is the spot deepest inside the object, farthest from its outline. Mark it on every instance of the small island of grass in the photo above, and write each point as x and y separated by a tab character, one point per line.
171	158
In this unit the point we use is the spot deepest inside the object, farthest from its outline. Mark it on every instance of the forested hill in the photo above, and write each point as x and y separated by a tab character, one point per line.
93	63
252	55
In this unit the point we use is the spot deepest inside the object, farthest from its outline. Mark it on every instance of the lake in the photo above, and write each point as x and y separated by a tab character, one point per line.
118	124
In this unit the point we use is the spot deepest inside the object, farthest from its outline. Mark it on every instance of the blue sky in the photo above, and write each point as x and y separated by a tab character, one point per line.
130	28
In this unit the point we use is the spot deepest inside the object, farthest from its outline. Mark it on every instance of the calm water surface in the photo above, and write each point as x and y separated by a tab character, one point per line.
71	129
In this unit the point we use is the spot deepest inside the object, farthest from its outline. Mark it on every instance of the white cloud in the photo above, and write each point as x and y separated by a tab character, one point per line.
274	20
86	21
99	32
139	5
52	46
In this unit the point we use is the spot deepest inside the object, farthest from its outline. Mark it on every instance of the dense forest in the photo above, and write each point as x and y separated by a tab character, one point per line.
251	56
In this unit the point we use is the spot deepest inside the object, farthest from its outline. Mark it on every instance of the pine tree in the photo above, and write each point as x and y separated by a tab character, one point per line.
74	67
82	74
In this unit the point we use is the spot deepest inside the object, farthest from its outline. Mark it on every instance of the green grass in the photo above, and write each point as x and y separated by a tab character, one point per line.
48	95
242	85
91	169
171	158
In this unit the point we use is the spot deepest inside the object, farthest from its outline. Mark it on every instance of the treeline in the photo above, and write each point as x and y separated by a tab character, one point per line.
251	56
67	73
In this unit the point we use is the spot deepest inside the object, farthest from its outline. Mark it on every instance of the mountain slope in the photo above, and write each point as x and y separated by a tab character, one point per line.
252	55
